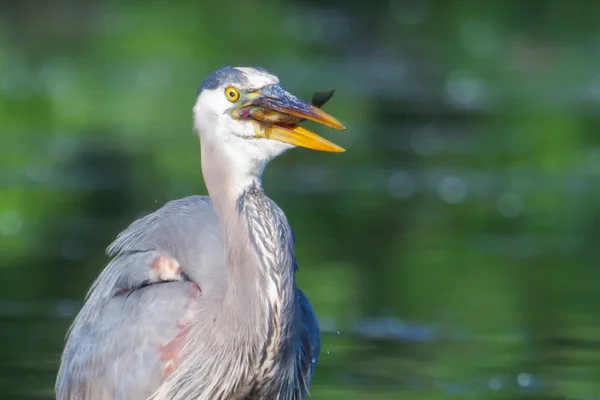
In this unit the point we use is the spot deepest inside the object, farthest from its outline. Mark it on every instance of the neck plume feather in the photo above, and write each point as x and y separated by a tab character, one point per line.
243	345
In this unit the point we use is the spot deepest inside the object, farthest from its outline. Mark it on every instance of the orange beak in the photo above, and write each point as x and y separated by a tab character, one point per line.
273	104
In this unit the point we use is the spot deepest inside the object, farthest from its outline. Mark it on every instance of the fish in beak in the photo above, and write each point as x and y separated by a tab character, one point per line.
276	114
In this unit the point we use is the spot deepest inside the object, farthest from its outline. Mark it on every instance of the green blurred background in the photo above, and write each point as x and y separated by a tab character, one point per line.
452	251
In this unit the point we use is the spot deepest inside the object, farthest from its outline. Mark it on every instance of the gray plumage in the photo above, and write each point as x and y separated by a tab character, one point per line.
229	75
199	299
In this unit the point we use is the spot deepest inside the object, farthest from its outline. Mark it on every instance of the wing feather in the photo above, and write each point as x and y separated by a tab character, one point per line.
139	303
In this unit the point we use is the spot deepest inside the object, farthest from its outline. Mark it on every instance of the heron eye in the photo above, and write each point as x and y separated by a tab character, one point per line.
232	94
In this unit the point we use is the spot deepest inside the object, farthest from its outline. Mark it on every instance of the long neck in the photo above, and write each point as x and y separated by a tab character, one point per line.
260	295
257	238
243	345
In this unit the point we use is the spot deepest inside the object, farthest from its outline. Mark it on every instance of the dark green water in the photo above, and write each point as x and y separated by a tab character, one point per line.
452	251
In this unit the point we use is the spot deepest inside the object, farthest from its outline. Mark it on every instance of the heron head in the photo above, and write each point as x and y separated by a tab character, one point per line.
246	108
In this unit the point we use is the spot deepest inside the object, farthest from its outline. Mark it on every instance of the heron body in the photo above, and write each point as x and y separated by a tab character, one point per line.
199	300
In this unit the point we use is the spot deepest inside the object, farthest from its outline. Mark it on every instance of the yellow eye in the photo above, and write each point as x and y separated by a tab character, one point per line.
232	94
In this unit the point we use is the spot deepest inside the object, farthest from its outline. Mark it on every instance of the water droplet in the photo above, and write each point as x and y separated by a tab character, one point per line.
495	384
401	185
338	332
452	189
327	351
524	379
465	89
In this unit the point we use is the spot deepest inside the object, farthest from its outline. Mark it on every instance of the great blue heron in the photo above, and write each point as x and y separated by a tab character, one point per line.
199	300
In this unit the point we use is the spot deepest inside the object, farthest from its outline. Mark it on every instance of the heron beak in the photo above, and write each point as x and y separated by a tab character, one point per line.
279	113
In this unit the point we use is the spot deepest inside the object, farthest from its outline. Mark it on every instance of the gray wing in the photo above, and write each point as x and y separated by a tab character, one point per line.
189	231
310	341
125	340
123	352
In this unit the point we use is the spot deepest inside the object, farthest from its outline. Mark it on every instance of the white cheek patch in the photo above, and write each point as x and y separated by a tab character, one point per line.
212	101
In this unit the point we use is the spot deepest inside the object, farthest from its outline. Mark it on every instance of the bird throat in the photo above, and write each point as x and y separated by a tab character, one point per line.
271	239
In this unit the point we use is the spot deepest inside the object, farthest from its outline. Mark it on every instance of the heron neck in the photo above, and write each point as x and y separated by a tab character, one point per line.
257	238
253	329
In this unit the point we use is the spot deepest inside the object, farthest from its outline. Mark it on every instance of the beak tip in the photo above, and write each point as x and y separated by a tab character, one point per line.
339	126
